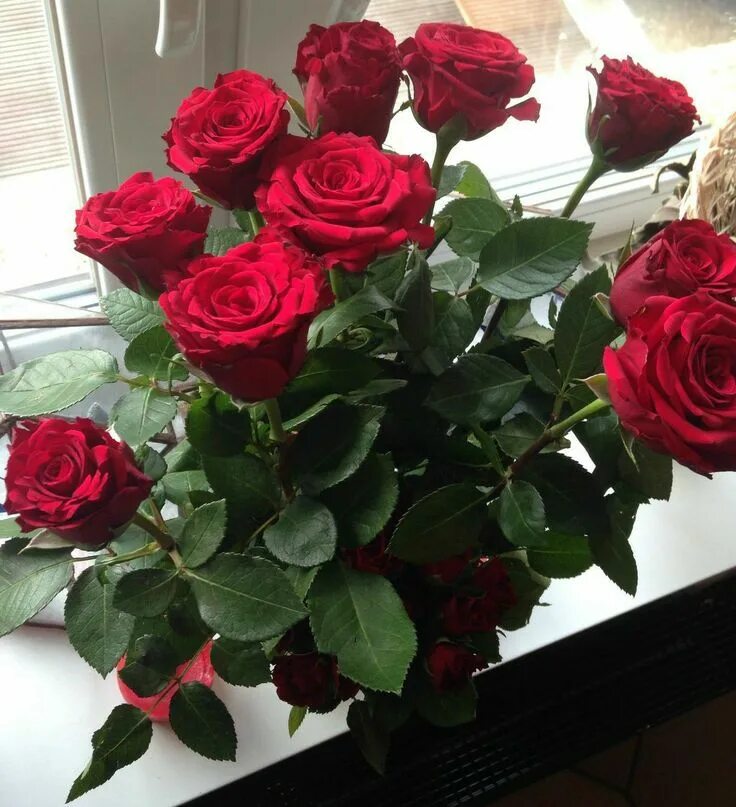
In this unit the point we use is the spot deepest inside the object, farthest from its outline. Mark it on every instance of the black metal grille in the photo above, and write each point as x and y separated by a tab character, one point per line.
537	714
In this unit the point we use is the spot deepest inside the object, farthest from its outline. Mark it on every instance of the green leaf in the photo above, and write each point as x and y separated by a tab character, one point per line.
244	598
150	462
96	629
444	523
521	514
415	311
582	330
453	276
532	256
652	474
385	274
333	446
293	423
221	240
145	592
360	618
614	556
528	587
9	528
202	534
370	734
55	381
543	369
29	581
243	221
305	534
335	320
448	709
130	314
330	370
296	718
202	722
240	664
179	484
216	427
248	485
564	556
150	352
123	738
468	179
520	432
149	665
454	330
141	413
363	503
474	223
301	579
477	388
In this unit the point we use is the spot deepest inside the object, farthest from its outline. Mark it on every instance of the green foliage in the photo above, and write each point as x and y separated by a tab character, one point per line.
202	722
54	382
543	369
304	535
520	432
217	427
521	514
141	413
149	665
467	179
145	592
474	223
248	486
129	313
332	322
448	709
415	310
563	556
532	256
240	663
202	534
453	276
454	329
221	239
179	485
296	718
528	587
370	632
150	353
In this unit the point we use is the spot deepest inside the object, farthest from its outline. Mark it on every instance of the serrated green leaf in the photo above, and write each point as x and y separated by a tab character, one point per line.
29	581
468	179
150	353
363	503
97	630
145	592
444	523
532	256
528	586
543	369
476	389
454	330
333	446
304	535
453	276
54	382
129	313
141	413
240	664
179	484
221	239
614	556
122	739
202	534
518	433
582	330
521	515
651	474
360	618
474	223
150	462
244	598
369	733
247	484
296	718
385	274
335	320
9	528
202	722
415	311
149	665
563	556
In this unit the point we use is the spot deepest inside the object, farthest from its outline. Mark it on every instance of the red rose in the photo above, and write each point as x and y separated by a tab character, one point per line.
310	679
144	231
218	136
73	478
450	666
350	74
644	115
373	557
463	72
341	197
481	610
673	383
449	569
682	258
243	317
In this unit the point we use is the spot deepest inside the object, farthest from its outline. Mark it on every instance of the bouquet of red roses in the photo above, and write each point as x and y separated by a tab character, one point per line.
370	483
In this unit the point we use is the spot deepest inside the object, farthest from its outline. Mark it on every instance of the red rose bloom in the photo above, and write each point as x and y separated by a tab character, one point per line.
341	197
480	612
350	74
144	231
646	115
450	666
73	478
463	72
683	257
218	136
373	557
673	383
449	569
243	317
311	680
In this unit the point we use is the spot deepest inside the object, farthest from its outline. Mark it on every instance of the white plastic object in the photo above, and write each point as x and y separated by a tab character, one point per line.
179	22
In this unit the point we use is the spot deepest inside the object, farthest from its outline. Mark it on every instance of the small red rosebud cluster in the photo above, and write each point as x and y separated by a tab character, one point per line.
311	680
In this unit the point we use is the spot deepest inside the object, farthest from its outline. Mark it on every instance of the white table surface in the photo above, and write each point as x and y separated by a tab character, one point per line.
51	701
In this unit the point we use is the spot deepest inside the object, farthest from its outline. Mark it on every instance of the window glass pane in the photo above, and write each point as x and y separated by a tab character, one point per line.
38	192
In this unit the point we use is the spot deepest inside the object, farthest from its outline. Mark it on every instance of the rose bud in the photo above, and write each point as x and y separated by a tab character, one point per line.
311	680
637	116
341	197
144	232
73	478
673	383
683	257
480	609
463	73
350	74
242	318
218	136
450	666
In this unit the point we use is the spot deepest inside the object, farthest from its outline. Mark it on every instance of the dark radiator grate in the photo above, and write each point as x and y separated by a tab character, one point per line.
537	714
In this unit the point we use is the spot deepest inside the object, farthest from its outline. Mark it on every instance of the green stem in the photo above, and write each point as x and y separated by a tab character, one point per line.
440	232
596	170
501	306
163	539
586	411
441	153
337	281
273	412
256	221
